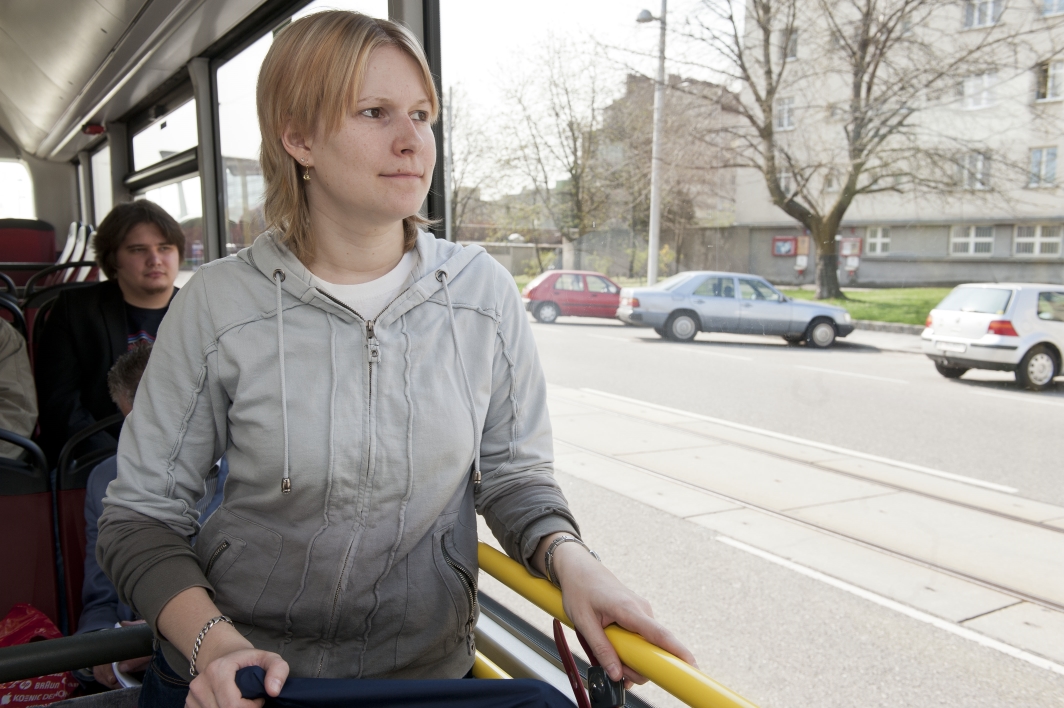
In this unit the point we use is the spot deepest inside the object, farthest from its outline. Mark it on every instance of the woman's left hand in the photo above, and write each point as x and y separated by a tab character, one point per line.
594	598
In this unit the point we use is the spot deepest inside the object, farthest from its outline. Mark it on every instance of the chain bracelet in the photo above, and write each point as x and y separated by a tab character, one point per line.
548	557
199	640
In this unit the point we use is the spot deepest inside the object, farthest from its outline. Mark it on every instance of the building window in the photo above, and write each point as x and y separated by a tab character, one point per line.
972	241
982	13
789	45
1052	7
785	114
1037	240
978	90
974	171
1048	80
831	180
787	184
1043	167
877	241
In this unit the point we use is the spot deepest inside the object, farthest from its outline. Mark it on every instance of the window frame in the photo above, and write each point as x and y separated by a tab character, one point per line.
969	235
1037	240
985	92
784	108
874	236
970	10
1036	178
1048	86
971	178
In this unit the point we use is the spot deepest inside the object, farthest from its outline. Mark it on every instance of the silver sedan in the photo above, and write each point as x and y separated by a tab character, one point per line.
680	307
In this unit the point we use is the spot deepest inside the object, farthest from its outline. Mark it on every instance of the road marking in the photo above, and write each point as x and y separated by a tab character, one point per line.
850	373
910	612
612	339
811	443
1021	398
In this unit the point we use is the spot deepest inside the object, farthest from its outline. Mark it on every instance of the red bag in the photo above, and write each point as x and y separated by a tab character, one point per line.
24	624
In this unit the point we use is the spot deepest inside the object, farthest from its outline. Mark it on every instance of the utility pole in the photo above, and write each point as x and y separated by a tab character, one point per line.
655	150
448	164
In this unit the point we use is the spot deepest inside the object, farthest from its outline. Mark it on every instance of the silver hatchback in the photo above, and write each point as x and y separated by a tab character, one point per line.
680	307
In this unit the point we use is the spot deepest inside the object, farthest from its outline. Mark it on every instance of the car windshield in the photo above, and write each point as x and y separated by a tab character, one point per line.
673	282
992	301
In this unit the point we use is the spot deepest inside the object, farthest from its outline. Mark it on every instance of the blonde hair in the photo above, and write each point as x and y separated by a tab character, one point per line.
310	80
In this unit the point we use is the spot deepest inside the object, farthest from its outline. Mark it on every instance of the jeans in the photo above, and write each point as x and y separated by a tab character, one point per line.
162	687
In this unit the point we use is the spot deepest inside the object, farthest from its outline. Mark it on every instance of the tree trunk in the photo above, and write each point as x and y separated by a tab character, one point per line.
827	276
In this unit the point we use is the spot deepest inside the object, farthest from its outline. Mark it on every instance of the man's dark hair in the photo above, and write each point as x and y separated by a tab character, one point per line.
124	376
116	226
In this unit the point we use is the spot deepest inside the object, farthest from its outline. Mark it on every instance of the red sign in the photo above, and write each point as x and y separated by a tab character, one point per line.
785	246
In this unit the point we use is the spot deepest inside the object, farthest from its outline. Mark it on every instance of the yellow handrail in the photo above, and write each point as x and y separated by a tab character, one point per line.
674	675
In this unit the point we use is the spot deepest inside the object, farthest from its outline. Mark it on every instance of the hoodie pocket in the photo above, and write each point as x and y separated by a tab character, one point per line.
238	559
225	553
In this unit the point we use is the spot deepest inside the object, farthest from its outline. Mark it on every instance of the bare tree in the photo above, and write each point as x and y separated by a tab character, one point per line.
845	98
471	154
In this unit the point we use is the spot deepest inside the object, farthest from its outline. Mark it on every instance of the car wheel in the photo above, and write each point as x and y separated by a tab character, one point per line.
1038	368
681	327
660	331
950	372
821	333
547	312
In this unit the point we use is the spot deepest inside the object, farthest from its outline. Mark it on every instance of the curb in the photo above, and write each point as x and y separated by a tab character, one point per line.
895	327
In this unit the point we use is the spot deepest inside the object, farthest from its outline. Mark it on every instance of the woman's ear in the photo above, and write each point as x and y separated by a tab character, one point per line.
298	145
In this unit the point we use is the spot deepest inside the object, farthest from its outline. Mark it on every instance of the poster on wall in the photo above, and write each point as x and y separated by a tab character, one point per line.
850	246
784	246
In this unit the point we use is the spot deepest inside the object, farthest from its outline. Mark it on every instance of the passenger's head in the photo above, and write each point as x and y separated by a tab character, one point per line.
140	245
124	376
352	98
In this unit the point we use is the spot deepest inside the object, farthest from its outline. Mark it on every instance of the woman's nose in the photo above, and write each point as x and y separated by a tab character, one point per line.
408	140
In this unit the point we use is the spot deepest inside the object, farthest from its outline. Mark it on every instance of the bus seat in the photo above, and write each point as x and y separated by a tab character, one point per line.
26	525
80	244
35	306
72	475
88	273
26	241
11	312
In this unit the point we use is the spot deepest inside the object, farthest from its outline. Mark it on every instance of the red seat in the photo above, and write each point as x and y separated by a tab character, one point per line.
71	477
26	525
26	241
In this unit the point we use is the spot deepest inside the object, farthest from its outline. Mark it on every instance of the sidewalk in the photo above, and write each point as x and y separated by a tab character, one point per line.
960	553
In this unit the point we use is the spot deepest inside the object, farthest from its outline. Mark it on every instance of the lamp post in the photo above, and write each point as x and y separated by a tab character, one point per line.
655	149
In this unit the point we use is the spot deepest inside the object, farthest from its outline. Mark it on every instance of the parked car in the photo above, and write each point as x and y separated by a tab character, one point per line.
1015	327
571	292
680	307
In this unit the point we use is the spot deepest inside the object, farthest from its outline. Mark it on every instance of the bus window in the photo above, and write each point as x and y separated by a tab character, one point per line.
238	128
16	191
173	133
184	202
102	201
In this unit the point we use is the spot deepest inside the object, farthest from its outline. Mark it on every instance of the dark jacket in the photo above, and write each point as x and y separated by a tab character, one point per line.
84	336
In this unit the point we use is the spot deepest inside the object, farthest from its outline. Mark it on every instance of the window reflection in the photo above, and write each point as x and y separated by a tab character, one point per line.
183	201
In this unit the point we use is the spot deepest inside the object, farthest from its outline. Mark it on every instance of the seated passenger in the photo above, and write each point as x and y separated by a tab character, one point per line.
18	399
139	247
101	608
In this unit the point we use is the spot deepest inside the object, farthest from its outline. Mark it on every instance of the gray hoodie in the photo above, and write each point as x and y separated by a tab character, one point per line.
384	433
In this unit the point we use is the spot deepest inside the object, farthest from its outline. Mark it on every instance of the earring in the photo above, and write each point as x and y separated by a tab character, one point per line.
306	170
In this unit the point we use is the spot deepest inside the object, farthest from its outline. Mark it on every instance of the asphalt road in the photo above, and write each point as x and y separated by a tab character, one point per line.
855	395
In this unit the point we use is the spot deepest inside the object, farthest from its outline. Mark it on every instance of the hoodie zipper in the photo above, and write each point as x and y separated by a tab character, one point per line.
222	547
469	583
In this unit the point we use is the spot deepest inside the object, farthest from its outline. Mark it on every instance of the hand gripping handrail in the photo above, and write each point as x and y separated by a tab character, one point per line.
666	670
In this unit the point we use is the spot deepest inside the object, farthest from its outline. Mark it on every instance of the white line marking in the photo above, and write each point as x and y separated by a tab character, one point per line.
1021	398
709	352
612	339
811	443
910	612
850	373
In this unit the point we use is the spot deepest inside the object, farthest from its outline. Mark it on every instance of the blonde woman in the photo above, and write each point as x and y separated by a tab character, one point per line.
372	387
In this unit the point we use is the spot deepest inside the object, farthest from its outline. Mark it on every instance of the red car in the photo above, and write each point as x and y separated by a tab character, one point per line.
571	292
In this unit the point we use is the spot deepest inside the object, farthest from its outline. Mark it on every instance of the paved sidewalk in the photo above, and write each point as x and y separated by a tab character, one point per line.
887	341
962	554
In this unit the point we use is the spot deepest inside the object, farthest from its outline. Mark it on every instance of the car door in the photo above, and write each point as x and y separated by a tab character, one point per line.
714	300
762	310
604	297
569	293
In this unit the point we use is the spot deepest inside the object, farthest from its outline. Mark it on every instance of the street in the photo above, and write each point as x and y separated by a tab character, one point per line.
830	528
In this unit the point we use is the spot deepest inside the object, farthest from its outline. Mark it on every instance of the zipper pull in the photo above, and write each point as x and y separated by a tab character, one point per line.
374	345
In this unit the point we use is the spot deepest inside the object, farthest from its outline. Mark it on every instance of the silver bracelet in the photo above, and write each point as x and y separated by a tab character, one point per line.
548	557
199	640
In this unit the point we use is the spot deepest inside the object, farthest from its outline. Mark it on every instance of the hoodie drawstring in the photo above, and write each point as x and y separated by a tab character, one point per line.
441	275
278	277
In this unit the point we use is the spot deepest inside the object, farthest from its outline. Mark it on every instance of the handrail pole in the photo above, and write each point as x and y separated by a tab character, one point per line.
666	670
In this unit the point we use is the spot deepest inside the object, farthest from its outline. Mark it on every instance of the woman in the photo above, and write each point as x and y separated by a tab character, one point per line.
372	387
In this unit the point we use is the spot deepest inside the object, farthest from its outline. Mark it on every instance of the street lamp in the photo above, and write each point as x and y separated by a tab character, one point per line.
655	149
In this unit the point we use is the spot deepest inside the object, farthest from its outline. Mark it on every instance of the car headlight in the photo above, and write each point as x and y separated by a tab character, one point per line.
846	317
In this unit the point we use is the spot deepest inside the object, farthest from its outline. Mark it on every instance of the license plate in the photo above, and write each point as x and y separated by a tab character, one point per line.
951	347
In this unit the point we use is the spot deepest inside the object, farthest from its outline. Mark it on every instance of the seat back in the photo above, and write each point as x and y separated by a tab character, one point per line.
72	474
26	241
11	312
26	527
88	273
36	306
81	242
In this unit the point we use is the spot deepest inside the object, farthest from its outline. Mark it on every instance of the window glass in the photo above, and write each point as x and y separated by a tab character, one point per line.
756	290
600	285
673	282
173	133
238	128
992	301
569	281
716	286
16	191
184	202
100	162
1051	306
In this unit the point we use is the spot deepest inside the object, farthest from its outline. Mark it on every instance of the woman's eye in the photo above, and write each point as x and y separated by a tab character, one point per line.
372	113
421	115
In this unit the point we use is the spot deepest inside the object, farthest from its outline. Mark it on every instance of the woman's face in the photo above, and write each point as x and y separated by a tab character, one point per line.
378	166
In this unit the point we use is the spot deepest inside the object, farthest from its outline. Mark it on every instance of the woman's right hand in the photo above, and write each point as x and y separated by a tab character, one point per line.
215	685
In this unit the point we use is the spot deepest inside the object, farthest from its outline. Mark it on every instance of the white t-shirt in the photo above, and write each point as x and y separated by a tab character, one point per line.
369	299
